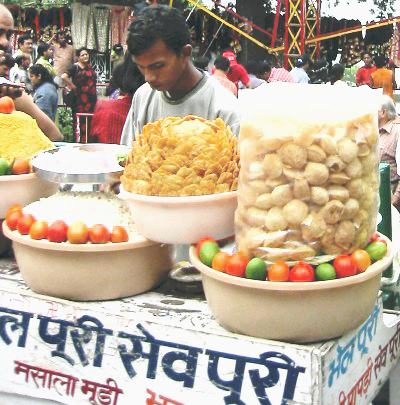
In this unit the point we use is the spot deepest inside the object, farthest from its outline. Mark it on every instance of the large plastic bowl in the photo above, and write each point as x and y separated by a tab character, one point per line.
23	189
288	311
90	272
183	220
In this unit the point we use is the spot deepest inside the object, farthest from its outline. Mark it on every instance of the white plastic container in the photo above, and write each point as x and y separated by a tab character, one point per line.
183	220
90	272
23	189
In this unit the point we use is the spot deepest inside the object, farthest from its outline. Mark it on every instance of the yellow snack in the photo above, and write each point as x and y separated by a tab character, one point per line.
20	136
183	157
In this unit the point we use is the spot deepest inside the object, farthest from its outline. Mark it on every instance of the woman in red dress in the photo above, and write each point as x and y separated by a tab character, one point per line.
81	80
110	114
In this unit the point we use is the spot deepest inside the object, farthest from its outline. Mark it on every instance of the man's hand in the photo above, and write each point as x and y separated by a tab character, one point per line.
12	90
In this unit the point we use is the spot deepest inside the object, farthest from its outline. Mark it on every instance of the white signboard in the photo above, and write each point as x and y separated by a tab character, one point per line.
159	349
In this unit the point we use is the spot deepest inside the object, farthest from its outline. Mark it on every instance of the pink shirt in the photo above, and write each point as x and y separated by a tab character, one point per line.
281	75
222	78
388	137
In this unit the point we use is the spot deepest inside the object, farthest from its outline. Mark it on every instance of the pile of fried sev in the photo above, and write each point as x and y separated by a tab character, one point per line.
21	137
186	156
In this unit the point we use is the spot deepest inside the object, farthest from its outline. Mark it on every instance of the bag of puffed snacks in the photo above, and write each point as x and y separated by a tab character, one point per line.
309	180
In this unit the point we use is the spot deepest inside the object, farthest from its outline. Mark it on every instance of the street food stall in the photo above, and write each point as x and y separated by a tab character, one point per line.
91	314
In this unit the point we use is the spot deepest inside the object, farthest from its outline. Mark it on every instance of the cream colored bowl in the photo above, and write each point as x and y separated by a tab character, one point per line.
90	272
23	189
288	311
183	220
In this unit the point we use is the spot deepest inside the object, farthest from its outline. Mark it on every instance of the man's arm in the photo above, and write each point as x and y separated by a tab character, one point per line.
371	82
48	127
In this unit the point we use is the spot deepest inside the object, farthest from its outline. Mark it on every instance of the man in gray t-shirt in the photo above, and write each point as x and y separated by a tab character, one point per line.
160	44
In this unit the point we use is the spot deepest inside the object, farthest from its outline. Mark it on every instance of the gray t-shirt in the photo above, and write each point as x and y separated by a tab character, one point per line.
209	99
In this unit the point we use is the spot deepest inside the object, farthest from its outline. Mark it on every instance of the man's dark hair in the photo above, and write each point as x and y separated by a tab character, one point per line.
42	48
264	67
365	53
7	60
380	61
252	67
303	60
158	23
20	59
337	72
22	39
222	63
202	62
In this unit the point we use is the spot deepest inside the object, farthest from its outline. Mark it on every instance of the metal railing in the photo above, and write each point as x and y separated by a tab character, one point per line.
86	118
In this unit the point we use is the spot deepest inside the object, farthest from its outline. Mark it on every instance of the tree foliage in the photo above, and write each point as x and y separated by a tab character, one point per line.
380	9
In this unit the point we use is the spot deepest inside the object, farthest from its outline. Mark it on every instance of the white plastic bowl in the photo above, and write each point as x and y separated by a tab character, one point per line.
289	311
23	189
183	220
90	272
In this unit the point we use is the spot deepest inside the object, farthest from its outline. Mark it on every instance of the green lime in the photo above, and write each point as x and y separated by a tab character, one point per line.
256	269
325	271
207	252
376	250
3	166
10	168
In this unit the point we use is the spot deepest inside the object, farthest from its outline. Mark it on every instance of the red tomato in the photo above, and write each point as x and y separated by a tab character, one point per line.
362	259
119	234
219	261
345	266
377	237
21	166
24	223
200	244
15	207
99	234
6	105
236	264
279	271
302	272
12	219
78	233
39	230
57	231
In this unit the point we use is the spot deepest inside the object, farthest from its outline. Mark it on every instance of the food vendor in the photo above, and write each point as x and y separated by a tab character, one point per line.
159	42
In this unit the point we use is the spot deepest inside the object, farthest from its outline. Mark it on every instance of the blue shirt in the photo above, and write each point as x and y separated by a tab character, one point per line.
300	75
45	97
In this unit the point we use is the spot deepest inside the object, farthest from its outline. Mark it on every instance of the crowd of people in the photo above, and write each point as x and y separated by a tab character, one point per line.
42	70
158	77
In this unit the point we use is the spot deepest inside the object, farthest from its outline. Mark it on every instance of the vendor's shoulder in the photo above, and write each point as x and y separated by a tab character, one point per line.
143	91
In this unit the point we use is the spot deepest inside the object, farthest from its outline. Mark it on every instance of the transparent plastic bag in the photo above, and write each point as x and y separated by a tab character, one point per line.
309	180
